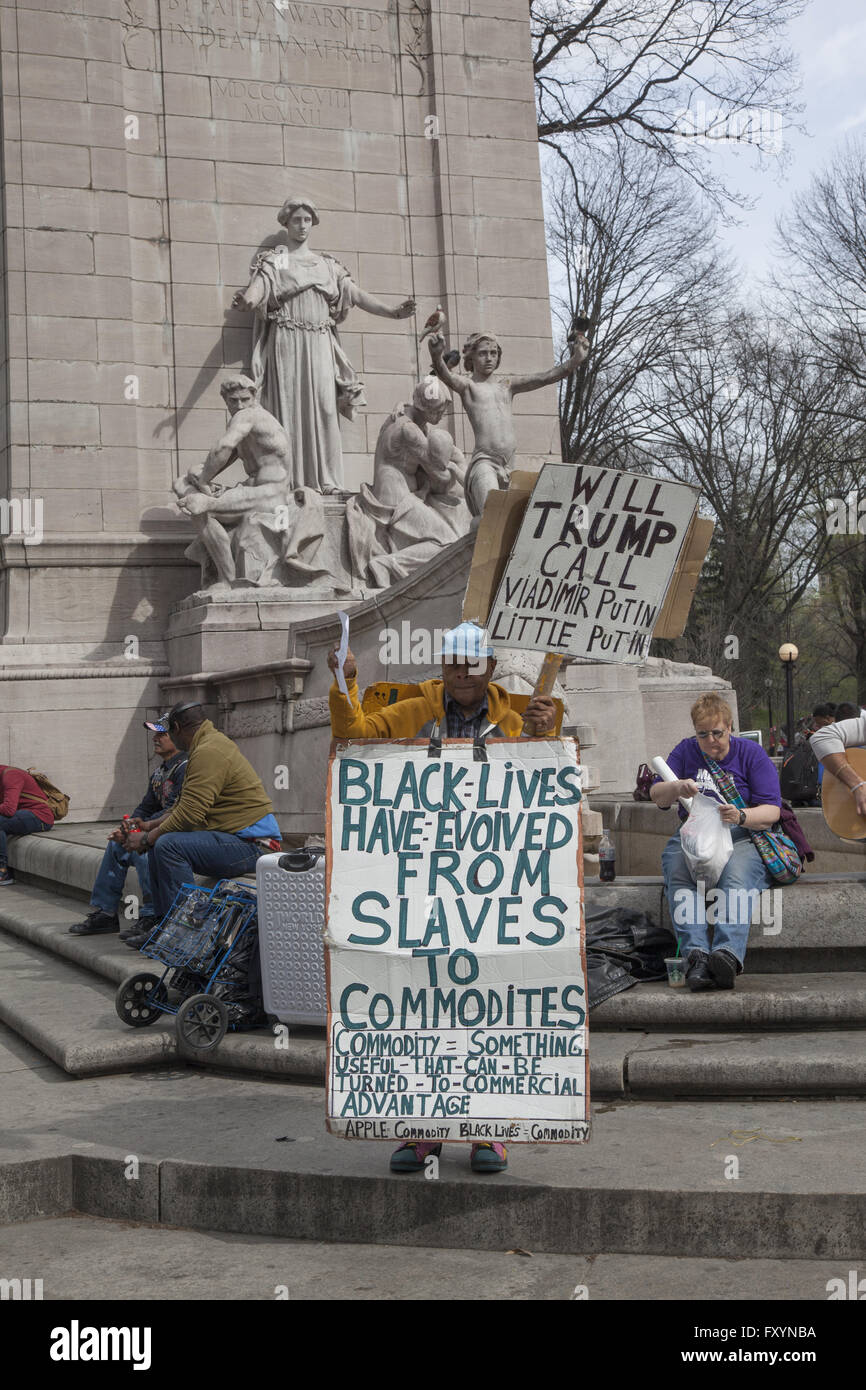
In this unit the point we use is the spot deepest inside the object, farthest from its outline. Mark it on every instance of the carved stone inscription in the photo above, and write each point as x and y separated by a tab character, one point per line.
282	103
324	33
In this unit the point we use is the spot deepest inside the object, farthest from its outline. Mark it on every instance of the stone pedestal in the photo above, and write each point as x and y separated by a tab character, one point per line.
222	629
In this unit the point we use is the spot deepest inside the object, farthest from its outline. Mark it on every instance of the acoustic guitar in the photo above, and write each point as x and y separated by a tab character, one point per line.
838	803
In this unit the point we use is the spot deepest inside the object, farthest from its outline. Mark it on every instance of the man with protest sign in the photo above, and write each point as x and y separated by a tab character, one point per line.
463	704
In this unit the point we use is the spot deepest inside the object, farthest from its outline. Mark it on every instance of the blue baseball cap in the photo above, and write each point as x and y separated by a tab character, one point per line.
161	727
466	642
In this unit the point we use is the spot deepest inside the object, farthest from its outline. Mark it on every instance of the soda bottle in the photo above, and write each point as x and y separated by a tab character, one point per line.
606	859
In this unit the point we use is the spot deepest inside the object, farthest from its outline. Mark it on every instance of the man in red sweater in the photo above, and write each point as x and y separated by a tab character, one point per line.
23	811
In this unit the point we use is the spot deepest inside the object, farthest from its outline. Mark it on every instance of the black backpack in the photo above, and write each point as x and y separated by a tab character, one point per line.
798	777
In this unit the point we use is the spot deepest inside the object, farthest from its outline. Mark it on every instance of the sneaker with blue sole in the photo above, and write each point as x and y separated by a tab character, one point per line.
410	1158
488	1158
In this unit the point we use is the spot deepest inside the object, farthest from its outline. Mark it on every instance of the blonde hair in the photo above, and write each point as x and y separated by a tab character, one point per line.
712	707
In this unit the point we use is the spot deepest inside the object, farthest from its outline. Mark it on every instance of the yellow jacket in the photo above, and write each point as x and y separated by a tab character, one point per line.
407	718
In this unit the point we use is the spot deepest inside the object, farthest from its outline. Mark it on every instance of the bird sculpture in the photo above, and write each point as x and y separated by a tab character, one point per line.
433	324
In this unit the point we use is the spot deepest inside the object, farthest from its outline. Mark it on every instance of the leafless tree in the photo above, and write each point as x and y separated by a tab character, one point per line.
639	258
672	76
823	290
823	285
756	427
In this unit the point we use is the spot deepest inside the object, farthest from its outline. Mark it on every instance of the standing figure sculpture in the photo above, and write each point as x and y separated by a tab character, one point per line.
305	378
487	401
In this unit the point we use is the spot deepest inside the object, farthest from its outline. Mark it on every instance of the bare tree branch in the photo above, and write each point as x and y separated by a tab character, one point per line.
671	76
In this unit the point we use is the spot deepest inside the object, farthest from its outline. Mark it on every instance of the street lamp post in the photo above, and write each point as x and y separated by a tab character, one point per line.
769	684
788	654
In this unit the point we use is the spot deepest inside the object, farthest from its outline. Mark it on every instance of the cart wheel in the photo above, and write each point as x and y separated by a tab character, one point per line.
137	1000
202	1022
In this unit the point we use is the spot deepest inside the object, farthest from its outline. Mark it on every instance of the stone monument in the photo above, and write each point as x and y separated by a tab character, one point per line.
143	149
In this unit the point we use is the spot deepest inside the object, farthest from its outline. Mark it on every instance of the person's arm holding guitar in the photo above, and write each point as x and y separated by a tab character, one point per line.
829	745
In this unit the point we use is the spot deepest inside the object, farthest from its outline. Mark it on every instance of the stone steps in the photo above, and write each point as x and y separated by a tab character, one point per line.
773	1035
813	925
726	1179
803	1000
68	1014
795	1024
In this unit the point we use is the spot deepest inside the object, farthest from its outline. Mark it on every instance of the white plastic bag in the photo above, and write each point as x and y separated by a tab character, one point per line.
706	841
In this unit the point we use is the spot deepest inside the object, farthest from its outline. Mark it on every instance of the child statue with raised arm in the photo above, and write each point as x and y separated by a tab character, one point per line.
487	401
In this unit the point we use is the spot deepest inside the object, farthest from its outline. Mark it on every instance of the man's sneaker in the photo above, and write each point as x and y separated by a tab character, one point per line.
724	968
6	877
143	927
409	1158
488	1158
98	923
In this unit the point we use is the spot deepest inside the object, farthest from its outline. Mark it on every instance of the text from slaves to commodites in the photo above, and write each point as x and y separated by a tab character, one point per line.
456	984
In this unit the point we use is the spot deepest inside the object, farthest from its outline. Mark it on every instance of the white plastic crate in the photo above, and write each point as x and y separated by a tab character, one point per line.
291	905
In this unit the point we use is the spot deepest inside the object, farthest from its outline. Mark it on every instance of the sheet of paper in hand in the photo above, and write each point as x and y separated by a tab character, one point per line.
592	562
454	943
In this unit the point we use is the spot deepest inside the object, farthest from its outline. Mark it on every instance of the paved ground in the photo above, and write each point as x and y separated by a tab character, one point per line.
83	1258
768	1199
206	1117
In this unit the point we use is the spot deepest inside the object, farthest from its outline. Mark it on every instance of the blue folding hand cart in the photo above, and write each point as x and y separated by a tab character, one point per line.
208	943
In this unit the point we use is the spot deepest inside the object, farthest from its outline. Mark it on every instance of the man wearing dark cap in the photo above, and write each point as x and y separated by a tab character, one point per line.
222	821
163	790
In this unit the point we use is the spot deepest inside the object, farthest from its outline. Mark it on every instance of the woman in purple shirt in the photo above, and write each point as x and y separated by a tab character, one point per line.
727	908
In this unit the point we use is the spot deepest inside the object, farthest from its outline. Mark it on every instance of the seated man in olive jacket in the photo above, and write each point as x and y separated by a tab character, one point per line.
220	824
463	704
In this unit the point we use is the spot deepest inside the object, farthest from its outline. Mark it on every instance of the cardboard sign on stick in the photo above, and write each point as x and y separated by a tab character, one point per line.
454	943
497	532
675	609
593	559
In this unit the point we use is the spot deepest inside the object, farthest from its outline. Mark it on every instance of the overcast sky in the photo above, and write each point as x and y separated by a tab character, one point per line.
830	40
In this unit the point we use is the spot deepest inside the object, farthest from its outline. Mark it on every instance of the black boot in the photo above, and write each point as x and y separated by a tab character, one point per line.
724	968
698	974
143	927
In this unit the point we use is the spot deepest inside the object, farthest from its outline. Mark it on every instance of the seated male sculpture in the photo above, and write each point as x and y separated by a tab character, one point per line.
260	509
415	505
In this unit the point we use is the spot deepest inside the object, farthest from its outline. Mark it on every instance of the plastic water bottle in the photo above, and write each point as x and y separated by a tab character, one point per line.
606	859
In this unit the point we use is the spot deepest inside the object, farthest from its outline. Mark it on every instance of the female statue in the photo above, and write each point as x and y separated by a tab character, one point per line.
304	377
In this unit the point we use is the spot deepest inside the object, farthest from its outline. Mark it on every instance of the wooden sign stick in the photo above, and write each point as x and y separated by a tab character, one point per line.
544	684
